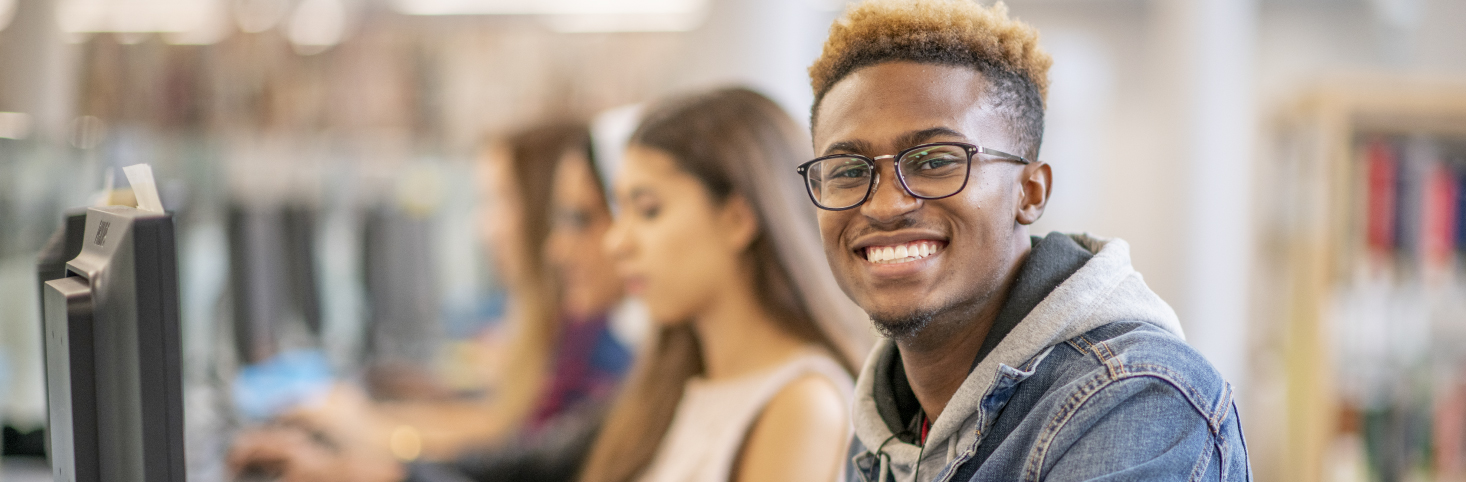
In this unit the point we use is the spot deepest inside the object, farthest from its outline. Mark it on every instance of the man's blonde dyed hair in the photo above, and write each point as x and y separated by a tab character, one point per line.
944	32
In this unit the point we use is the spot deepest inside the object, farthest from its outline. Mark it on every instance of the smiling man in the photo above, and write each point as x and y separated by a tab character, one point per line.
1008	357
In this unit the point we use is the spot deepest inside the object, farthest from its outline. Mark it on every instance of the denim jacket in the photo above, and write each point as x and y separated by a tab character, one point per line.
1096	382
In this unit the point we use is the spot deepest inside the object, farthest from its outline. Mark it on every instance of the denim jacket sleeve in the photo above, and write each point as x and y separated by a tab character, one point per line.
1142	428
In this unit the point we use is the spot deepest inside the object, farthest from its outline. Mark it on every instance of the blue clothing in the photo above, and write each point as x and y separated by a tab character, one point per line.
1088	378
589	365
1126	401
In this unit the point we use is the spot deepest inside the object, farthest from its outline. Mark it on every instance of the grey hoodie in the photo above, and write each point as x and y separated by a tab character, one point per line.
1106	289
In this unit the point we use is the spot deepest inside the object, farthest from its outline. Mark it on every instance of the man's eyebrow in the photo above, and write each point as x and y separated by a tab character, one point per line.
926	135
854	146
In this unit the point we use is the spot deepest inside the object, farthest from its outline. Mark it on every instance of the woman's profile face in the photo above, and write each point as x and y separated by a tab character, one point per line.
669	242
577	231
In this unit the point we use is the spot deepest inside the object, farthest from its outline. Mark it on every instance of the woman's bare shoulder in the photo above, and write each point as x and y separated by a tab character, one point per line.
801	434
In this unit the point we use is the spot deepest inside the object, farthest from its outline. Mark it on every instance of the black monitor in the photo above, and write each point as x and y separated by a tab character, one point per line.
272	271
113	365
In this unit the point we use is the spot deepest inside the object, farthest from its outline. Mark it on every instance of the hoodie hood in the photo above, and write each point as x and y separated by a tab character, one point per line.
1104	290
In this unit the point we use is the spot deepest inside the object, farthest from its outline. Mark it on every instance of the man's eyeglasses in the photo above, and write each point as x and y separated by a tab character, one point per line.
928	171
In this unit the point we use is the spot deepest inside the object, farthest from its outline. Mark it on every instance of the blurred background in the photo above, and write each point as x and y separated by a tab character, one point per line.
1290	174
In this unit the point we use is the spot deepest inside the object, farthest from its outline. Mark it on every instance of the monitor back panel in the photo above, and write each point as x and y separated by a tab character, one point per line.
128	263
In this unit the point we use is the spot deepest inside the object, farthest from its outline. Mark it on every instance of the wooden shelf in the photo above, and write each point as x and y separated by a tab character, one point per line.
1309	183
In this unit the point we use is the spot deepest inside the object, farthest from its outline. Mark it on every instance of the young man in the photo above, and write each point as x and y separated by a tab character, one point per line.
1007	357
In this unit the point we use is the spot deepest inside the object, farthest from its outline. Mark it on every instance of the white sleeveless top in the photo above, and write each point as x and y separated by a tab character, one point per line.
714	417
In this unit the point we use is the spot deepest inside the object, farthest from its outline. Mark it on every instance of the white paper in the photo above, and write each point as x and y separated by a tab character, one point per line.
143	187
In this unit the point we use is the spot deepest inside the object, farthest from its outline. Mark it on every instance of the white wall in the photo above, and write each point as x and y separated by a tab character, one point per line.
765	44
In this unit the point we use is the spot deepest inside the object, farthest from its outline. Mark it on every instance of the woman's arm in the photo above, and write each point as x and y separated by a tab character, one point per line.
801	435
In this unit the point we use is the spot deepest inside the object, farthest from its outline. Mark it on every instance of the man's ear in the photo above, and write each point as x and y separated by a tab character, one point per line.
1035	185
739	223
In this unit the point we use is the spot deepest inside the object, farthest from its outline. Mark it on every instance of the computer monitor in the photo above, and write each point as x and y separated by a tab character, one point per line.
113	365
64	245
272	269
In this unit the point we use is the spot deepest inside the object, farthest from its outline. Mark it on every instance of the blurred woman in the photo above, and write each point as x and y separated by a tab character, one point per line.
562	361
588	359
748	374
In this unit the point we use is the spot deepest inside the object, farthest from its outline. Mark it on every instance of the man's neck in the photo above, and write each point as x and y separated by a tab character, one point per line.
938	358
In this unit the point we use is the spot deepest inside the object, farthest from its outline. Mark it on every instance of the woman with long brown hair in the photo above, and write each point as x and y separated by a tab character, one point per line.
543	216
747	376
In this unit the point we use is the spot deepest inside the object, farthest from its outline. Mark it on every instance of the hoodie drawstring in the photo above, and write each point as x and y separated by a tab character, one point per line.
883	464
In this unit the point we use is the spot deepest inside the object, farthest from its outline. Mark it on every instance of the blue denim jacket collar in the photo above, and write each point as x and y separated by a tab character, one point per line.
1004	385
1105	290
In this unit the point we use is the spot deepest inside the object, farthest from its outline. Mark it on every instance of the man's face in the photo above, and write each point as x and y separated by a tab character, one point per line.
964	244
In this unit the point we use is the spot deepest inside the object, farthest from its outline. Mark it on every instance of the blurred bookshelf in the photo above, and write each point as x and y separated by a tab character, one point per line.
1360	366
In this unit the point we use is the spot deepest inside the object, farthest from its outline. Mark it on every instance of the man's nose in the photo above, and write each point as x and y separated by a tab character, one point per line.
889	201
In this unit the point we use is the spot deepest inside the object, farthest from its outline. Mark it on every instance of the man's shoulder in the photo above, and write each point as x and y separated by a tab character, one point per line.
1129	381
1136	381
1133	355
1105	368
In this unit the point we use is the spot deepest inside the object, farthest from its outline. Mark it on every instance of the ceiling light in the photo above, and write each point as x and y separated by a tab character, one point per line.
194	18
666	22
214	26
316	25
469	7
576	15
256	16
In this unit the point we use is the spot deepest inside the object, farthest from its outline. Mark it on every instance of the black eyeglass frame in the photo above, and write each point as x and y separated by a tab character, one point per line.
972	150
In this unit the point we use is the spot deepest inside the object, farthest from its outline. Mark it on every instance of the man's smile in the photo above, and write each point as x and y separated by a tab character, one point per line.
904	252
898	254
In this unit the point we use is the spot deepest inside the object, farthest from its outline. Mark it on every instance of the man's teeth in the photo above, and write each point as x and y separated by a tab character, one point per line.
901	253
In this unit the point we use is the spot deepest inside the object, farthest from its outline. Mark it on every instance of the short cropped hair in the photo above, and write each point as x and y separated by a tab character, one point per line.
945	32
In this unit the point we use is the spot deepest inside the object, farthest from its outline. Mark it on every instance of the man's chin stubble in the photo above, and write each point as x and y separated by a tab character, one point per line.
918	328
901	328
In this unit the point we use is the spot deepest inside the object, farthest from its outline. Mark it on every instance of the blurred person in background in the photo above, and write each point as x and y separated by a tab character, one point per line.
1007	356
589	359
747	376
544	218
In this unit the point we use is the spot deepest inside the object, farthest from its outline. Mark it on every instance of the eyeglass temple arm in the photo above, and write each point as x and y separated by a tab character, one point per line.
995	152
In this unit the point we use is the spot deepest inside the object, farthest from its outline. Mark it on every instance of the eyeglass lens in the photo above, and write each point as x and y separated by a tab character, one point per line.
930	172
